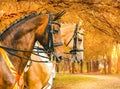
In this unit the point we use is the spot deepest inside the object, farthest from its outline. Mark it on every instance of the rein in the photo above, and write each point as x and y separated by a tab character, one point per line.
10	51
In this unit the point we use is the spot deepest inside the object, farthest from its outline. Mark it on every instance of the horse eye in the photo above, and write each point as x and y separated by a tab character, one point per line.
55	31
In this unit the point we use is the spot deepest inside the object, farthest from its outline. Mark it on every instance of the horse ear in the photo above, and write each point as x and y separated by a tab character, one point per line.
59	15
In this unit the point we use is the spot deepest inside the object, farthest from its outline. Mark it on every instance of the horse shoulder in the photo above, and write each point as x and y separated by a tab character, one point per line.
38	74
6	76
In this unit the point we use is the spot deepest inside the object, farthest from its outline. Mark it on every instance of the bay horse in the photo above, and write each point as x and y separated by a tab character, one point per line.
17	43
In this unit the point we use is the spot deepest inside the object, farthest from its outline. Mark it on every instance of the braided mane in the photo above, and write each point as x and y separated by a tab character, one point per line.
16	22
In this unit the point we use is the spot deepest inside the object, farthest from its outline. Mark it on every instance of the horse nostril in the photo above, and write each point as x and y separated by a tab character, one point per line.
60	57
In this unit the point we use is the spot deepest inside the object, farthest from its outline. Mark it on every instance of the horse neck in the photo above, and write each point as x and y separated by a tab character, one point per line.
24	43
22	39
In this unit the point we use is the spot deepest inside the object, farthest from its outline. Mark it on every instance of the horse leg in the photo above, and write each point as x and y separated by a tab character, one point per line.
7	80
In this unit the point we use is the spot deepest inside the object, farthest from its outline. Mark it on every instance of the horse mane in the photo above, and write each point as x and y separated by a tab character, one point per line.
16	22
57	16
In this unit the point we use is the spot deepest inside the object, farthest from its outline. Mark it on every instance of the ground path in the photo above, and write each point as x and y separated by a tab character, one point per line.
87	82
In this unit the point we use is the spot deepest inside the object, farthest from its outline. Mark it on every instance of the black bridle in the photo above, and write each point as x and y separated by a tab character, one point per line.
49	49
75	40
51	45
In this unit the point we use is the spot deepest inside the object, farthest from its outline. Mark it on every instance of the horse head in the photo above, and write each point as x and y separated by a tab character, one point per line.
51	38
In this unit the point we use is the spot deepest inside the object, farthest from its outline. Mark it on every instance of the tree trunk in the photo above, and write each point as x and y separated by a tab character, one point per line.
69	66
81	66
105	67
57	67
97	65
93	66
109	65
118	53
73	67
65	65
88	67
118	65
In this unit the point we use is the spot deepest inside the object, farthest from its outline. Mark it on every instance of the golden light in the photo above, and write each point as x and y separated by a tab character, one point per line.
114	60
114	53
118	49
